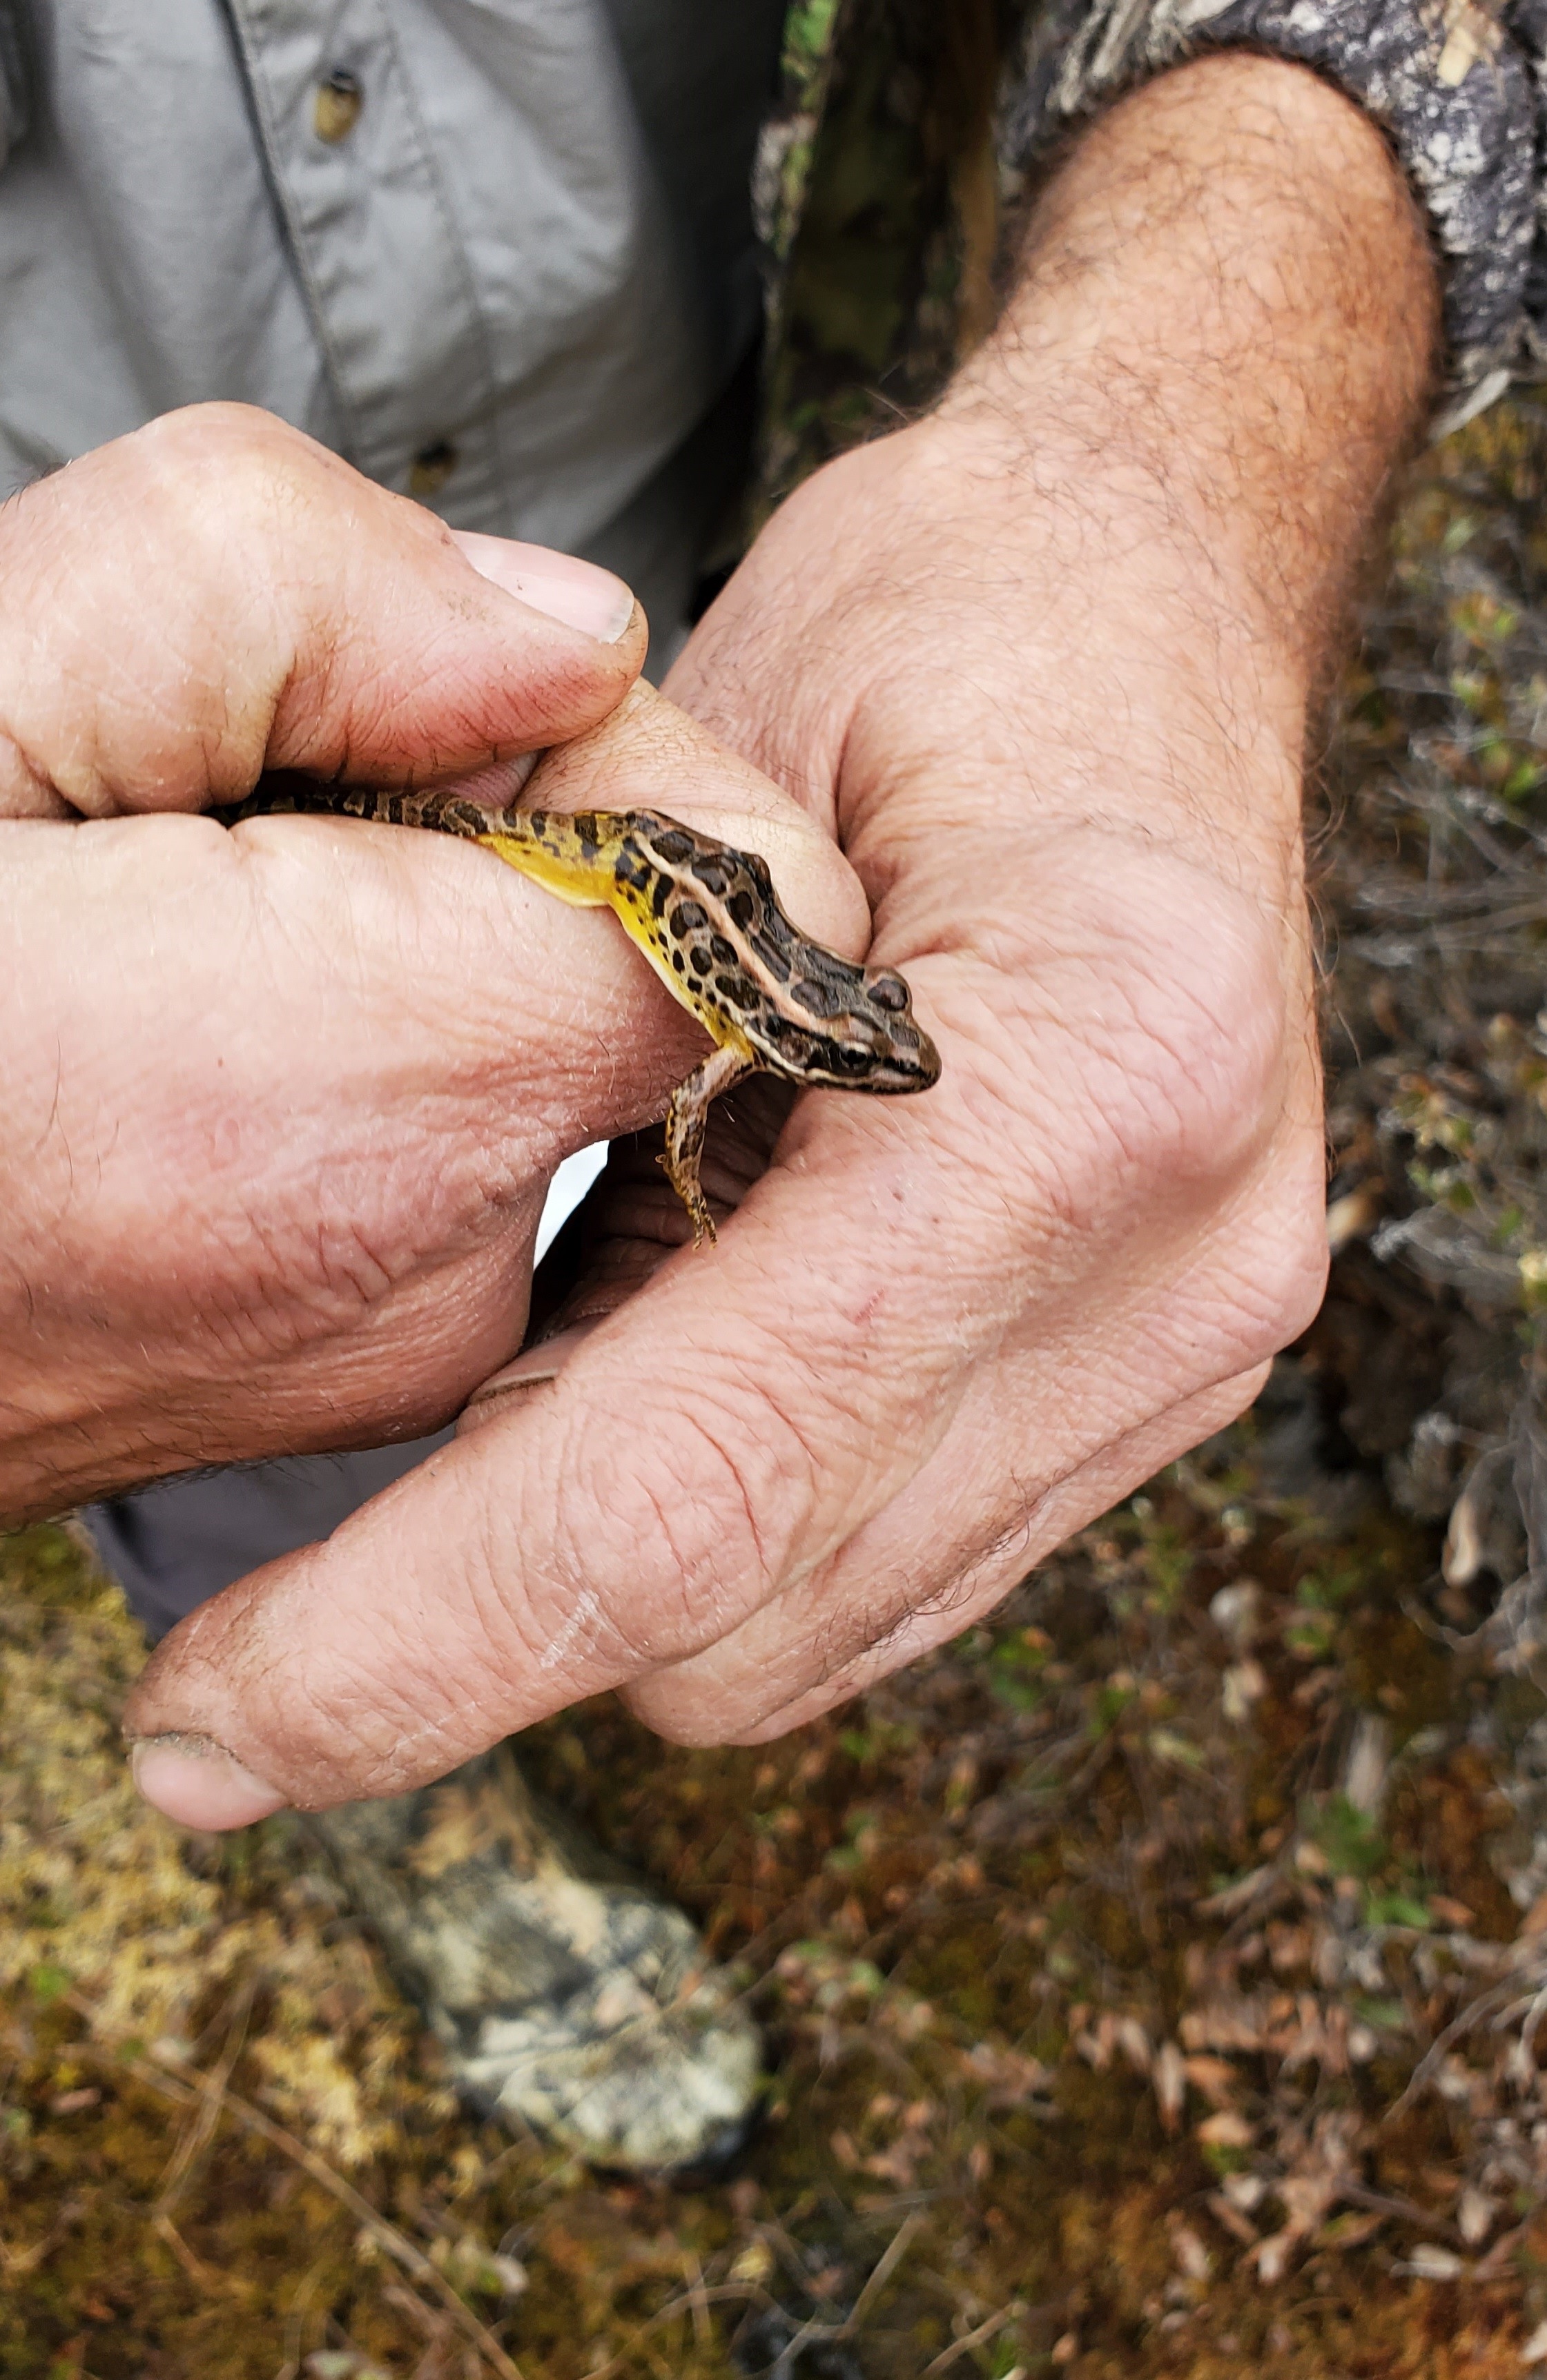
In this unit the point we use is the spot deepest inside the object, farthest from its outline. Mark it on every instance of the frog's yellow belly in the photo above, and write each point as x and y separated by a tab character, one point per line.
708	919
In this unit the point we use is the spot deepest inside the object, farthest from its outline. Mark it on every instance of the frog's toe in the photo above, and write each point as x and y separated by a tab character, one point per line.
685	1181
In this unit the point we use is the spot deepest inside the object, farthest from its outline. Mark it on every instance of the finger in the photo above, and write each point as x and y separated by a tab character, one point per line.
1044	1437
388	1041
216	594
560	585
622	1234
886	1600
994	1552
386	1044
650	755
620	1521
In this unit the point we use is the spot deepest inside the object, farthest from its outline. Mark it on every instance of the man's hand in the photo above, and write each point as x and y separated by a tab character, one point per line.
281	1104
1045	661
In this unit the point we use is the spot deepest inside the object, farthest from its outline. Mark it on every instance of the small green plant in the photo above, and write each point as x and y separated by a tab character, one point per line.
1016	1667
1350	1843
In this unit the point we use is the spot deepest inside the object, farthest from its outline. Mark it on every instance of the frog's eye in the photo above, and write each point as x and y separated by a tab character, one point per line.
889	992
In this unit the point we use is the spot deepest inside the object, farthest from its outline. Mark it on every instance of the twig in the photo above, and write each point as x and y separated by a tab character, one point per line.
721	2293
432	2324
1487	2005
196	2138
833	2334
1244	1894
978	2337
903	2239
186	2090
16	2263
205	2276
1501	2254
295	2322
1379	2202
698	2305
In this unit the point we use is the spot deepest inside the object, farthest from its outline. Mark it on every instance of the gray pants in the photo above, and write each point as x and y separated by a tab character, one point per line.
172	1546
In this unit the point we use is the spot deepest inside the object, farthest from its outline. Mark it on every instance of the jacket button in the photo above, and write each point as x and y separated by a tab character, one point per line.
336	106
433	467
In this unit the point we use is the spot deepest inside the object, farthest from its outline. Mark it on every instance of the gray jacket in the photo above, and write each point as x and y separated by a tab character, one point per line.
499	253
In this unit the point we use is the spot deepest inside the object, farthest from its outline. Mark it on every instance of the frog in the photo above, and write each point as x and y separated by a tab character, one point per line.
707	918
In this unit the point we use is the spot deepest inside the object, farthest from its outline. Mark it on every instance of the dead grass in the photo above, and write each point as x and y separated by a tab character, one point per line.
1068	2074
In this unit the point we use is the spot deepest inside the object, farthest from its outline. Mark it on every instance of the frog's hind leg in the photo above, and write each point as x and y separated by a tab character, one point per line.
685	1120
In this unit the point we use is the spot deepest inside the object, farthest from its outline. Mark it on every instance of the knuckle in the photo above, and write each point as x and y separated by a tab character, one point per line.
244	436
1162	1057
1279	1257
177	449
703	1519
1198	1036
232	484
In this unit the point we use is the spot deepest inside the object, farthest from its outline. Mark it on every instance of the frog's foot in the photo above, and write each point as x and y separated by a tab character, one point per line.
569	1997
685	1120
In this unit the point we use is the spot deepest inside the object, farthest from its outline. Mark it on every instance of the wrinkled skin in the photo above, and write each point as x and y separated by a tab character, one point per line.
1045	663
282	1103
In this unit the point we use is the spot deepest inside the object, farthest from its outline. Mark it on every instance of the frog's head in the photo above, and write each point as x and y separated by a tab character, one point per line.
867	1040
879	1042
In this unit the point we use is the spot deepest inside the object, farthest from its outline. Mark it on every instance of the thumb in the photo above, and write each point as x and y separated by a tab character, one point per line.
216	595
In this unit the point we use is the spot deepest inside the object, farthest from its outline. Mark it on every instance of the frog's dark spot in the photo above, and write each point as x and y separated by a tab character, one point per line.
688	918
735	989
821	1055
724	953
699	960
743	906
713	873
674	847
821	998
661	895
888	991
632	867
775	922
677	961
773	959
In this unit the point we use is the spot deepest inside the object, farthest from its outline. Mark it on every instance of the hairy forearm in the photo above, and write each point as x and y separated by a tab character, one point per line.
1219	344
1104	578
1228	277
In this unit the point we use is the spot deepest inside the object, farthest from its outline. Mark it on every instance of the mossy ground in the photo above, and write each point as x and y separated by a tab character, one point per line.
969	1911
1095	1953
